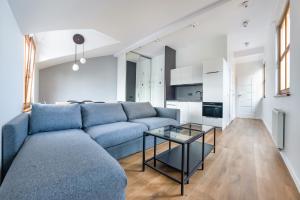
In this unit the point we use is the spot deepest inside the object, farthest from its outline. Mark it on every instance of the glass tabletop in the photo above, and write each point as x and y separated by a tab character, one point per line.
184	133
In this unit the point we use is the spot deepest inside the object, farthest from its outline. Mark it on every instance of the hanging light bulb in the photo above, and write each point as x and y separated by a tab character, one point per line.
83	59
75	67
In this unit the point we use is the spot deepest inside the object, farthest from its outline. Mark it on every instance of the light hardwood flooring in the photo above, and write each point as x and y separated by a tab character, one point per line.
246	165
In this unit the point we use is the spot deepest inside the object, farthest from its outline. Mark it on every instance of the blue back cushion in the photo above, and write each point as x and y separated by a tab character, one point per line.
50	117
138	110
102	113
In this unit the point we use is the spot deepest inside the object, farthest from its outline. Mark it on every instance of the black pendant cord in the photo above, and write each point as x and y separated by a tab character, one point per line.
75	53
83	50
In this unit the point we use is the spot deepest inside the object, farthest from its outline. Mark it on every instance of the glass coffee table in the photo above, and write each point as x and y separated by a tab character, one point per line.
189	153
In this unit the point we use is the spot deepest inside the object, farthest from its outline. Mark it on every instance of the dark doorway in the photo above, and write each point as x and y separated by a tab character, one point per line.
130	81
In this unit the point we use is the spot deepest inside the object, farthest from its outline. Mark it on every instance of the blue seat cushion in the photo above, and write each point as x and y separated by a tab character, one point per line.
63	165
51	117
138	110
102	113
156	122
108	135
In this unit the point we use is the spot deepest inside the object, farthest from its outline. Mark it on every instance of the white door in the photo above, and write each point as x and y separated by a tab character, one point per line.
249	89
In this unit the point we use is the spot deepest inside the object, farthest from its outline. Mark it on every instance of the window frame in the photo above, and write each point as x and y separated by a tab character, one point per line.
283	56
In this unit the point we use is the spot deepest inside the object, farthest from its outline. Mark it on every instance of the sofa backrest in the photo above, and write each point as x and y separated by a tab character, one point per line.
102	113
14	134
138	110
51	117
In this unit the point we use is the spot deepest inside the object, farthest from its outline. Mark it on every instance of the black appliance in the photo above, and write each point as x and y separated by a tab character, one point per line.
212	109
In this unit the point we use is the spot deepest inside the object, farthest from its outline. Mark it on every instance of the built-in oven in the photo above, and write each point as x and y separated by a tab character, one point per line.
212	109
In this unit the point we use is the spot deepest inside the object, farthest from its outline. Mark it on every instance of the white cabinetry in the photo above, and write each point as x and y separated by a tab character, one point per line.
186	75
213	87
216	88
213	80
189	111
195	112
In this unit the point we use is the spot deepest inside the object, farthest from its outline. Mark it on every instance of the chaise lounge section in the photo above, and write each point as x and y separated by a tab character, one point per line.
70	151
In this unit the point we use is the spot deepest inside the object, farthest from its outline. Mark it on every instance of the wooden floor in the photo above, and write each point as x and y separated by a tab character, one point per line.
246	166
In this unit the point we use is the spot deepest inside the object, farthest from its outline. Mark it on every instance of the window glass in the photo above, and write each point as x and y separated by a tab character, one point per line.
288	70
288	28
282	74
282	38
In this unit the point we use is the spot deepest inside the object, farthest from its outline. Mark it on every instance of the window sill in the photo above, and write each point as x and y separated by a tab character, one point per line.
282	95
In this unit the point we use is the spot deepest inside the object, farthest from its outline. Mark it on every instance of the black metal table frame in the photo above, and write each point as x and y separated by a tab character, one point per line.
184	177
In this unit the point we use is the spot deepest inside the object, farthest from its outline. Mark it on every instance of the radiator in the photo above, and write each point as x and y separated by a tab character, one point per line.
278	126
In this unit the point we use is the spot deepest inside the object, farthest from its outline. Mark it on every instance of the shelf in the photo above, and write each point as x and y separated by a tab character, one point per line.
173	157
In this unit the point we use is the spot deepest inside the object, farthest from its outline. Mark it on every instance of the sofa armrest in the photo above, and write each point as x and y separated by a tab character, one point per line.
14	134
168	113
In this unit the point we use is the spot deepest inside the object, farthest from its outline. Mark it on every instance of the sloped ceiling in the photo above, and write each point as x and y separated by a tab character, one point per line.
129	23
125	21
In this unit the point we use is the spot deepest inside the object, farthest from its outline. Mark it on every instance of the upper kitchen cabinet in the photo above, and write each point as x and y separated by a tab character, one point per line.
213	66
213	80
187	75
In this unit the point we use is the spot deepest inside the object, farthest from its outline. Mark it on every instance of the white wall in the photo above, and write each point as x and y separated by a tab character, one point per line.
289	104
205	49
121	77
96	80
11	67
158	81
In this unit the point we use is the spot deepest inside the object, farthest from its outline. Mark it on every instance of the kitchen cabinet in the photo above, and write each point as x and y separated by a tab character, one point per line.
189	111
195	112
186	75
213	80
212	121
213	87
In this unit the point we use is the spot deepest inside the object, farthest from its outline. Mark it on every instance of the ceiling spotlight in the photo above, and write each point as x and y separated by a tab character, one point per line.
194	25
158	40
245	23
246	44
245	4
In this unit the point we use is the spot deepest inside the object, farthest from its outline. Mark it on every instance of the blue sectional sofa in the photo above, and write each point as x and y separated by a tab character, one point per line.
70	151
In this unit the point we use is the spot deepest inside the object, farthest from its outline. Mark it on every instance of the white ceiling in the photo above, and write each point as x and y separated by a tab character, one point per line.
55	44
126	21
223	20
131	22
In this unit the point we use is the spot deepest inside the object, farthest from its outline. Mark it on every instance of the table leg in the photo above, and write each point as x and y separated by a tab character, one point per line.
203	141
214	140
170	145
144	149
182	170
188	162
154	151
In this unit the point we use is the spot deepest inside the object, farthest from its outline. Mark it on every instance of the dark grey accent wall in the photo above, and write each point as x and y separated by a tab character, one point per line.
96	80
170	63
130	81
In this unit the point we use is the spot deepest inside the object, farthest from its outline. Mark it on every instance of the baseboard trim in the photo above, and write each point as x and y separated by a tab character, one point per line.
286	161
291	170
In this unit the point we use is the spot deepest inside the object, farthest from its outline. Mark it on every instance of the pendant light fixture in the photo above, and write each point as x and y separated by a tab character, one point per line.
78	40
